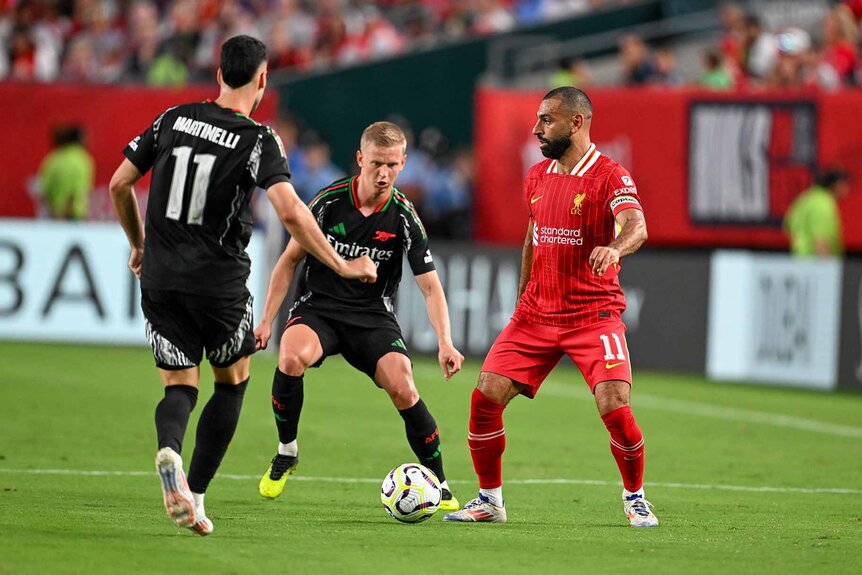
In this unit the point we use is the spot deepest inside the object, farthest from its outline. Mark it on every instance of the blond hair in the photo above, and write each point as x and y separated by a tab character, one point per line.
384	135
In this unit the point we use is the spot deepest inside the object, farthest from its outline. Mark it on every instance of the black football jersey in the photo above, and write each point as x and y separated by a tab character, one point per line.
206	162
392	230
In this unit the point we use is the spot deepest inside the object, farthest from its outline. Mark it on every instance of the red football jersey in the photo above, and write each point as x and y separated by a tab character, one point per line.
572	214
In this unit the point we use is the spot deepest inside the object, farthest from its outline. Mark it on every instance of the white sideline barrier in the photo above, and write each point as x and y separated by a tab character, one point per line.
69	282
775	319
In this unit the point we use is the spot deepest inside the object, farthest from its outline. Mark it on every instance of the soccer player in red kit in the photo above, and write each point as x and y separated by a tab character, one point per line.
585	216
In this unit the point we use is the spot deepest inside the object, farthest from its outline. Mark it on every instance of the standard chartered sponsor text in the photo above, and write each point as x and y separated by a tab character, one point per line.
560	236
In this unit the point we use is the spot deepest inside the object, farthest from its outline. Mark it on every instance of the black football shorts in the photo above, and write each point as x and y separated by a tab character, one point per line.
361	338
180	327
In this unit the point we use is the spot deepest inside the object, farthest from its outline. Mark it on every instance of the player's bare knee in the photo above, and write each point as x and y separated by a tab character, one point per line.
611	395
233	374
404	396
291	363
497	388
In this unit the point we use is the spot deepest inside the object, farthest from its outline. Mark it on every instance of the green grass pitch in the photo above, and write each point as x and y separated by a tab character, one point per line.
744	479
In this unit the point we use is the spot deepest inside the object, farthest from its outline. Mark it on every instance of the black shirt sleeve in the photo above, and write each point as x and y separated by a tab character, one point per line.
142	151
418	252
273	163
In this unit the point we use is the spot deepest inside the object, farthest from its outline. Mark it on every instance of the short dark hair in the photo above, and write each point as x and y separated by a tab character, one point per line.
241	56
573	99
827	178
64	134
713	58
753	21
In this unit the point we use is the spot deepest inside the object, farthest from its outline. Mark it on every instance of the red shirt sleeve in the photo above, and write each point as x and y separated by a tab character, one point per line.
530	185
622	193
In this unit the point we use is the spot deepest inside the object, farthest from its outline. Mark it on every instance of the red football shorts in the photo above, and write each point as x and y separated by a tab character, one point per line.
527	352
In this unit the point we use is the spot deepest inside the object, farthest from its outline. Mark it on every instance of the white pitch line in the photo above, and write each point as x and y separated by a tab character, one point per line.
550	481
719	412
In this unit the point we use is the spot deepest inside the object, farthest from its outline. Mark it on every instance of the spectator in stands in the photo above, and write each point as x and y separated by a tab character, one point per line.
65	176
491	17
789	69
638	66
813	221
419	167
446	209
283	49
168	69
817	73
666	71
418	21
732	42
22	58
143	38
318	170
840	35
288	129
571	72
715	75
380	38
759	49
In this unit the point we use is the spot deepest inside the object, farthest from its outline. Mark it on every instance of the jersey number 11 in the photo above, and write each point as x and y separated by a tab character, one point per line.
200	183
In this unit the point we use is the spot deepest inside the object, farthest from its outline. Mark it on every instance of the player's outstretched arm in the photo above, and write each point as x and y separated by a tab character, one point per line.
126	204
526	260
438	312
302	226
279	284
633	234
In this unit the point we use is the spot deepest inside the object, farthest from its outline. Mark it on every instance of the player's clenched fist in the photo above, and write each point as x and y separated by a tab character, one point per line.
262	333
602	258
362	269
136	259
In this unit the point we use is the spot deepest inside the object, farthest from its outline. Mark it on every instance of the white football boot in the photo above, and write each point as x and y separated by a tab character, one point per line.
638	511
179	502
202	525
479	510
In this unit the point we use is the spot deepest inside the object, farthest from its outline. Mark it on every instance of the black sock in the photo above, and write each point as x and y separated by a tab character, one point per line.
423	437
215	430
172	415
287	397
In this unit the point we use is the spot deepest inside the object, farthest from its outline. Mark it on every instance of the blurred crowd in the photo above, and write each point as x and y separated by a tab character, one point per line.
174	42
436	178
748	55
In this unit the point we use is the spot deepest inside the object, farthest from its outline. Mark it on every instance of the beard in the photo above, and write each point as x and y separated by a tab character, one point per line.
556	147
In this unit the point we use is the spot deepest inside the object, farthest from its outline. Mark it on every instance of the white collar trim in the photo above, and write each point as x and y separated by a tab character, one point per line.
584	164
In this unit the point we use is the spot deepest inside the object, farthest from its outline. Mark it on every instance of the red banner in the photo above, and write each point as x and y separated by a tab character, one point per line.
677	145
110	116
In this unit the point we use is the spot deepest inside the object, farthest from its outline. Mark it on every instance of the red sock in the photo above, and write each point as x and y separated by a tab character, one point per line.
627	446
487	439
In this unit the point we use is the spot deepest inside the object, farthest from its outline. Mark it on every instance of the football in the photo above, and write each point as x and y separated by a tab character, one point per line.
411	493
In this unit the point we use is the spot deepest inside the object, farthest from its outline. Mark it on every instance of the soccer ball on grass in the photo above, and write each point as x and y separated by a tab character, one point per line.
411	493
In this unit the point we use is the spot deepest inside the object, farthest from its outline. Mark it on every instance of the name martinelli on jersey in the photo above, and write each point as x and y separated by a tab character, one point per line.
206	131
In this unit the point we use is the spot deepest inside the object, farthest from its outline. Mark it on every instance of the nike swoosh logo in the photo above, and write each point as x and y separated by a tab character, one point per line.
613	365
534	200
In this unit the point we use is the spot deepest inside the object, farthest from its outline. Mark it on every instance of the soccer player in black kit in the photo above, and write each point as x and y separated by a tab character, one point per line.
206	160
362	215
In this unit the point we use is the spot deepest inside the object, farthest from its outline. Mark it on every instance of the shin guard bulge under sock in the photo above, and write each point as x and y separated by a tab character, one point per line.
627	446
172	415
487	439
216	427
424	437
